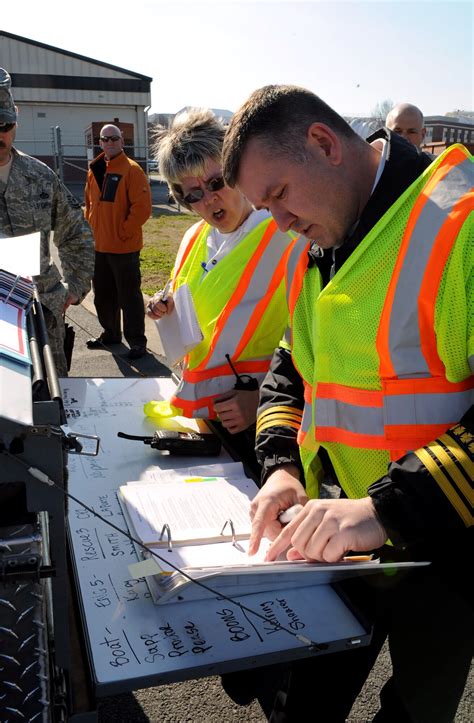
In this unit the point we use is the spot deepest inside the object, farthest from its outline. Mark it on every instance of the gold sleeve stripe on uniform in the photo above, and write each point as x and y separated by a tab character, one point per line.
280	415
446	486
274	416
279	418
281	408
446	457
280	412
270	423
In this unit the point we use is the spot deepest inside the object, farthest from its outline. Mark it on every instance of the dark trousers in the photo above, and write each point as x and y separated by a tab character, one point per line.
117	282
427	616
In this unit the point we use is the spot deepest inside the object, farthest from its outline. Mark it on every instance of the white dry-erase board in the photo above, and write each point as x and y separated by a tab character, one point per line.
132	642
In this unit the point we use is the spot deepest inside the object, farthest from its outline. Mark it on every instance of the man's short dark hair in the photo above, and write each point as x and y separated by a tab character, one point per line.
279	116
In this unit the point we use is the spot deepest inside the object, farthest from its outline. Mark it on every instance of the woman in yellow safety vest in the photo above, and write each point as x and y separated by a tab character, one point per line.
231	264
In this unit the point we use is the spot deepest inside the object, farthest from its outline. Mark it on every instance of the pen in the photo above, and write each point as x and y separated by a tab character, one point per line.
163	296
289	514
166	291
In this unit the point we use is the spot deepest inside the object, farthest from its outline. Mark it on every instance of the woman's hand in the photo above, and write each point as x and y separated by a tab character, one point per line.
156	307
237	409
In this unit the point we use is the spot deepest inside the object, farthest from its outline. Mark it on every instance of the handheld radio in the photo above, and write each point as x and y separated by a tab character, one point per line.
244	381
180	443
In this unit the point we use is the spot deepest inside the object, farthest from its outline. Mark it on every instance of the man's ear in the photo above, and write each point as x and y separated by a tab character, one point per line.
325	141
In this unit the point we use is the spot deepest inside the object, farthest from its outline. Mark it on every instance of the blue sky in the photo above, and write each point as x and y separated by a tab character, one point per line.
353	54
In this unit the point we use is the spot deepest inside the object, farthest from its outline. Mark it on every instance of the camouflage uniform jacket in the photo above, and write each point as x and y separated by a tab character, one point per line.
36	200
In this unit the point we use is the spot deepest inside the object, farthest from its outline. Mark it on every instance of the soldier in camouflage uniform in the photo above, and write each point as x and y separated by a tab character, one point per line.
32	198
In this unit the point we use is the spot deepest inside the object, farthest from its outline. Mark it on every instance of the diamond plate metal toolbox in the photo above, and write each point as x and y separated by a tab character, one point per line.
36	592
25	691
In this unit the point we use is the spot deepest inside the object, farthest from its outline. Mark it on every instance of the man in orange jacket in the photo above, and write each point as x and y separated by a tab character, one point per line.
118	202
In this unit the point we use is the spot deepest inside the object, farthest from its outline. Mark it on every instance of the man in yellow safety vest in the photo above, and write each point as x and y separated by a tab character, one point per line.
374	389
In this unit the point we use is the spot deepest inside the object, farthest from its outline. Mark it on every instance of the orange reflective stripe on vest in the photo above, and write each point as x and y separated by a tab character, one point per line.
199	389
262	304
295	271
188	248
390	418
231	307
425	247
430	285
417	403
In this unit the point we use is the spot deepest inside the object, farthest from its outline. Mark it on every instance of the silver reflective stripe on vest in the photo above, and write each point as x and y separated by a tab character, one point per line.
193	391
306	418
236	323
362	420
427	408
293	261
404	336
399	409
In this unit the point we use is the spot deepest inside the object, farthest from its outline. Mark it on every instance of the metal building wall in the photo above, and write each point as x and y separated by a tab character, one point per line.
35	121
107	93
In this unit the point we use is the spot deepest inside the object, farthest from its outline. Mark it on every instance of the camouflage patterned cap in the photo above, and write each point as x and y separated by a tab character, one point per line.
7	104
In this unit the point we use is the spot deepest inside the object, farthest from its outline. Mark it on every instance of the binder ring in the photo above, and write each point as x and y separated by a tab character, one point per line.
166	528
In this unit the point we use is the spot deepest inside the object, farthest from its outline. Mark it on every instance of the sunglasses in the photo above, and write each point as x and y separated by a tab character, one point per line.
5	127
109	138
213	185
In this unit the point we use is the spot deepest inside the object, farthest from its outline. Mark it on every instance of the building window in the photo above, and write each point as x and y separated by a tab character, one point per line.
41	115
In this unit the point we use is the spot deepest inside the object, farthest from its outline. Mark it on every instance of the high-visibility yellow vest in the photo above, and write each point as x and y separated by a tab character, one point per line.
241	309
386	349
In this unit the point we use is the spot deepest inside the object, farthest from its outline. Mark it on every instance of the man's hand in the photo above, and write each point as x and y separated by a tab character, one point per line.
156	308
70	300
281	491
237	409
325	530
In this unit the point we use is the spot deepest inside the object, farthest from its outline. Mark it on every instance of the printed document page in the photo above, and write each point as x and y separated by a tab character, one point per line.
195	509
229	470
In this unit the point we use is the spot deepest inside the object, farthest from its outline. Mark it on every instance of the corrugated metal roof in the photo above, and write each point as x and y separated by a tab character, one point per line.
73	55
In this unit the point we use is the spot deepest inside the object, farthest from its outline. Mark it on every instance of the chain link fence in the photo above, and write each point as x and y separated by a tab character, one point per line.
70	160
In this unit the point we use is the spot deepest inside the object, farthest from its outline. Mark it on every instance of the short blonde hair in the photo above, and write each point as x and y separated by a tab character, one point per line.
195	137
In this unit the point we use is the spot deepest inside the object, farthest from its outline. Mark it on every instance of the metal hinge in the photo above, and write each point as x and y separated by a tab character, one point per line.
70	440
16	567
73	446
